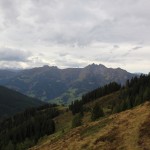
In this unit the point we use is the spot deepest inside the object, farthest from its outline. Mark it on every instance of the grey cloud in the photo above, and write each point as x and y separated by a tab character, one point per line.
126	53
68	63
10	11
8	54
137	47
63	54
78	22
115	46
131	50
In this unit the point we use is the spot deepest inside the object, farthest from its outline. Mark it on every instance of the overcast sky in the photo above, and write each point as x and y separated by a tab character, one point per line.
75	33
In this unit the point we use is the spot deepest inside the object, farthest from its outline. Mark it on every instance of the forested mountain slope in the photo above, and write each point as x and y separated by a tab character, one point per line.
24	129
63	85
12	102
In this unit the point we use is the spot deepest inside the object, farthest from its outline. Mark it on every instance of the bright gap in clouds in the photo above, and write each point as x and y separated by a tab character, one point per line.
75	33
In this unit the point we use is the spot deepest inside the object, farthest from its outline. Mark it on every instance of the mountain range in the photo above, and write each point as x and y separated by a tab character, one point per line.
12	102
49	83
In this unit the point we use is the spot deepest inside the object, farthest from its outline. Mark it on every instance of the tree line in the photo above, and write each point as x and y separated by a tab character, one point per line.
77	106
96	113
135	92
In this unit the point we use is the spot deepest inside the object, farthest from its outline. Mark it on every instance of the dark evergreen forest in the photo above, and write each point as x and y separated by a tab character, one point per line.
24	129
135	92
77	106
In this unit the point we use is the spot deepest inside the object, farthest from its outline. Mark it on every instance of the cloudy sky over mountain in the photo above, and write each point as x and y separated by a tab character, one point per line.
75	33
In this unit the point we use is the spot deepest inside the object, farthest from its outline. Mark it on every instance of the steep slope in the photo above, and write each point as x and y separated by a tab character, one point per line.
63	85
128	130
12	102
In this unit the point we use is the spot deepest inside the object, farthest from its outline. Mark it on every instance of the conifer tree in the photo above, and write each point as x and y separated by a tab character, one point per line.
10	146
146	95
77	120
97	112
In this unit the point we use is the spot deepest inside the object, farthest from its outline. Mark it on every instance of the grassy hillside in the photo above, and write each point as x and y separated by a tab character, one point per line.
12	102
67	97
122	121
128	130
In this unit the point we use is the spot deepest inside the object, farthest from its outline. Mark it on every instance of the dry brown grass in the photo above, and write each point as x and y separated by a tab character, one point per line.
127	130
144	135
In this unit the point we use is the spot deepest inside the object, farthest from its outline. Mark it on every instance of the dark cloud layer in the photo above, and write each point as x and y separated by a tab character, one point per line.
8	54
